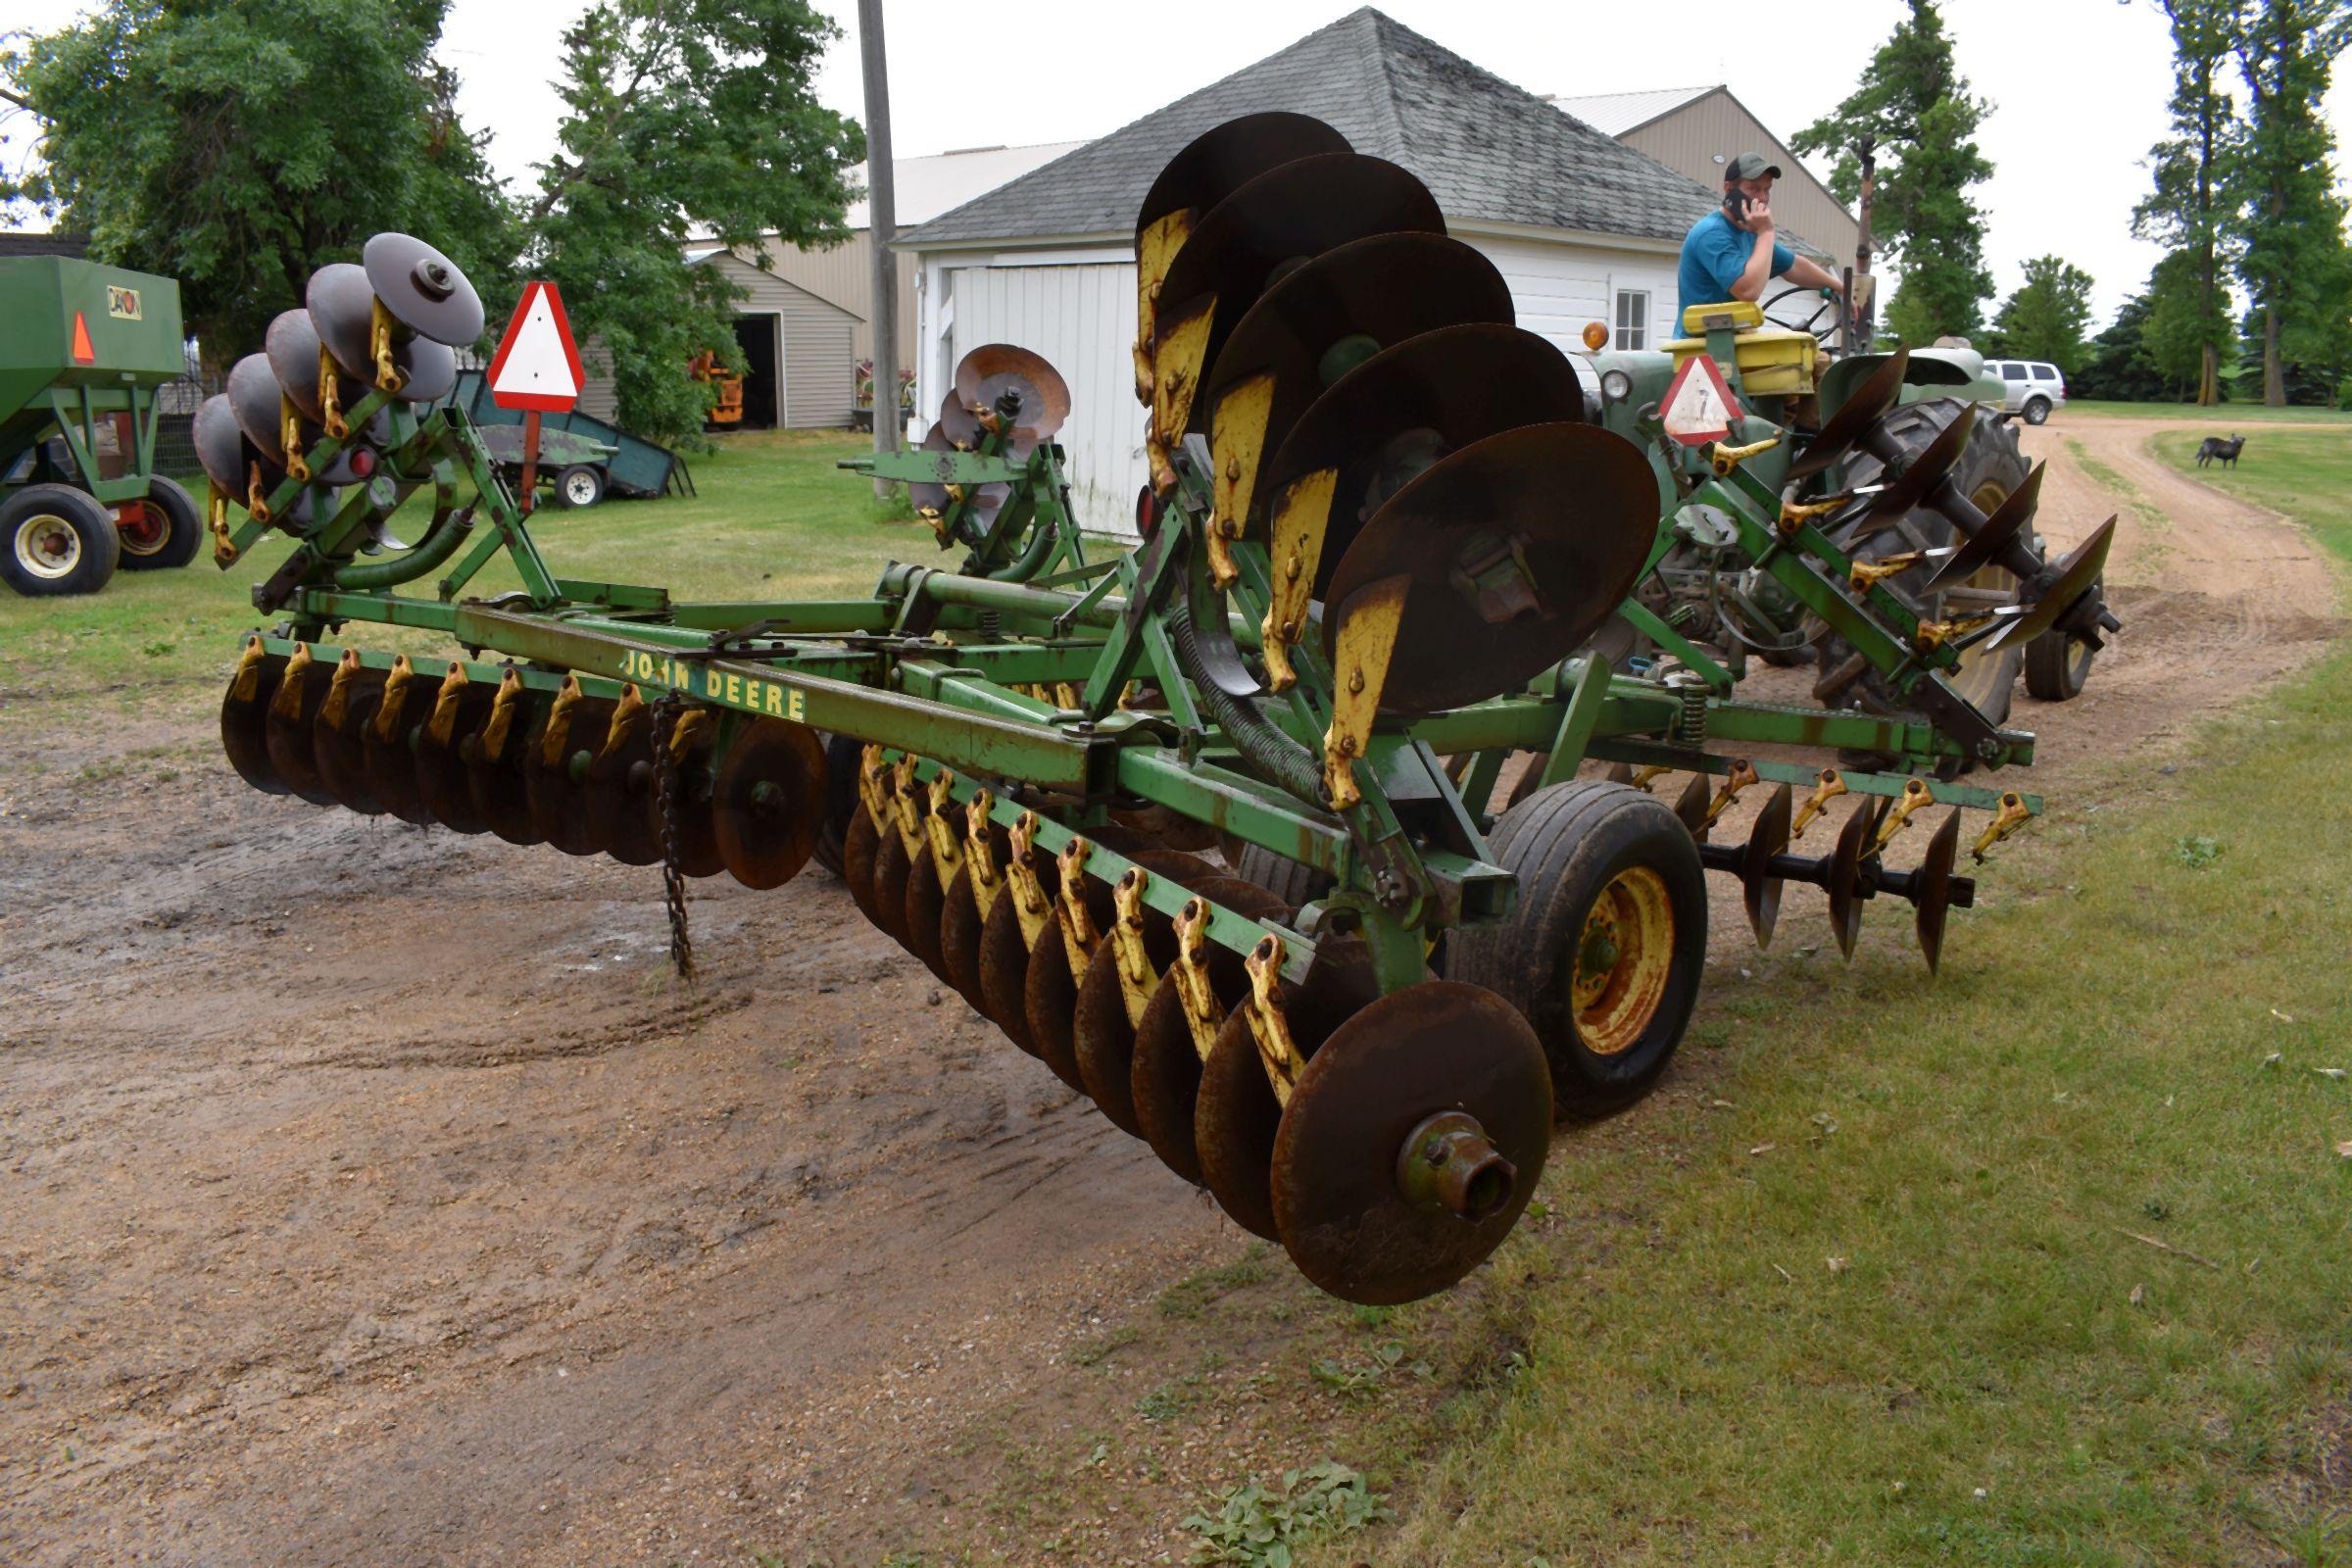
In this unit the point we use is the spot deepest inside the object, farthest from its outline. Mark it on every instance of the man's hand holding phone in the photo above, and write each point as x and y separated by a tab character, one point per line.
1756	218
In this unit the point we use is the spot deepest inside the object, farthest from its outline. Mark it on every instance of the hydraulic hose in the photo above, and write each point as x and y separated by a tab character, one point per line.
1265	748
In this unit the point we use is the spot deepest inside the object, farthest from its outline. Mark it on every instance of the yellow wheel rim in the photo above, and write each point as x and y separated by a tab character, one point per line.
1622	960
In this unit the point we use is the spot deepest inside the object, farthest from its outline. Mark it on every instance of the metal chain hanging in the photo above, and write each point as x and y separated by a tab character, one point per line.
665	785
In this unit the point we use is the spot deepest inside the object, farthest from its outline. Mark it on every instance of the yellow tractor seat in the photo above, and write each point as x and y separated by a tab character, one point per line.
1772	361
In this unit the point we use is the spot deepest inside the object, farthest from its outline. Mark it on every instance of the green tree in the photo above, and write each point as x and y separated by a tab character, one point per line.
2048	315
2179	338
1902	148
2292	256
238	145
685	117
2186	212
2116	363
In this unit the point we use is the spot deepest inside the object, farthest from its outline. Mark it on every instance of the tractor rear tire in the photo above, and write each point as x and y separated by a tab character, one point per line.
579	485
56	540
1990	469
174	527
1605	951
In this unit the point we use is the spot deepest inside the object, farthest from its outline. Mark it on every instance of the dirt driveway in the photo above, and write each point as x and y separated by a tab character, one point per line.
375	1197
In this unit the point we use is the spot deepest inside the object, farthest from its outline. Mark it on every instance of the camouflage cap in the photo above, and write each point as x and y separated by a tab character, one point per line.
1749	166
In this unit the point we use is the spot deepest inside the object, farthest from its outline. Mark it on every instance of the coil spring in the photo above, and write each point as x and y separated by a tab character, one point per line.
1691	723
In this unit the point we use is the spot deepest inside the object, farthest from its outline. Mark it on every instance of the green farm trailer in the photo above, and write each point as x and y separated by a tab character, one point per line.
83	348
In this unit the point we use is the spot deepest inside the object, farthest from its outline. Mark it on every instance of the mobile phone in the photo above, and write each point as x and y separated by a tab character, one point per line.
1735	204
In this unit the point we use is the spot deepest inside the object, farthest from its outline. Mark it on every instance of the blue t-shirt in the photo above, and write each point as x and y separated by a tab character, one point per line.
1714	255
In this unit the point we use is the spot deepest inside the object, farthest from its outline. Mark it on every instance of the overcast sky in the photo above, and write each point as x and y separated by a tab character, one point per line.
2077	86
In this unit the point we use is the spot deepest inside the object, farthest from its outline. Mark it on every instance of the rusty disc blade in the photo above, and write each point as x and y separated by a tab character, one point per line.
1981	548
339	748
244	727
424	290
892	866
385	750
1387	422
619	793
1322	322
1005	959
1171	830
960	930
253	397
1518	548
2079	573
220	446
557	792
1845	874
1104	1034
1690	807
287	732
1931	889
1344	1214
1237	1116
1020	388
494	780
926	904
292	347
1285	216
859	845
1219	162
768	802
1049	990
441	768
1862	407
1758	886
697	834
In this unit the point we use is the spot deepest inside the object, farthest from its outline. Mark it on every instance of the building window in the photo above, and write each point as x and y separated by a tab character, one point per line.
1633	318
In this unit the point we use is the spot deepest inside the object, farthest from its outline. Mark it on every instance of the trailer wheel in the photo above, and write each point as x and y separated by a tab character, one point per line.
55	539
1604	953
161	529
2056	666
579	485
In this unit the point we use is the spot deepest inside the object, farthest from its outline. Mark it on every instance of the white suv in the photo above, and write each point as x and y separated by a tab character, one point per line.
2032	389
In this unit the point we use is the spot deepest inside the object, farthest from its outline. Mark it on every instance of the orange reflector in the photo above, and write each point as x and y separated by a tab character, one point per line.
83	353
1596	336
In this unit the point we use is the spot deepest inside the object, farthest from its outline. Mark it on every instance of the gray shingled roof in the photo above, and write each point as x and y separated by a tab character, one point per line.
1486	149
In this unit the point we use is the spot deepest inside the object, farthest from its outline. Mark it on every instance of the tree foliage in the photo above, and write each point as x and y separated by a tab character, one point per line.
1906	138
2188	211
2288	213
238	145
2048	315
685	117
2116	363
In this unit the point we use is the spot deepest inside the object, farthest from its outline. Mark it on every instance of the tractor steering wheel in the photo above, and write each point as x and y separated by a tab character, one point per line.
1827	305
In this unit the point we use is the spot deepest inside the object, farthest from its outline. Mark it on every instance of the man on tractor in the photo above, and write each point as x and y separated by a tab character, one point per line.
1731	252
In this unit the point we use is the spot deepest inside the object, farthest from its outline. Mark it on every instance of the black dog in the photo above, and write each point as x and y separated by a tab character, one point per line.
2213	446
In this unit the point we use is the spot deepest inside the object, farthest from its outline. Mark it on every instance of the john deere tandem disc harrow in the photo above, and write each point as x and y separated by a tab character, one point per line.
1387	540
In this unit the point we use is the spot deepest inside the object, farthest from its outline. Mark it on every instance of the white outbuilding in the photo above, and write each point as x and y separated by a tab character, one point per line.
1584	227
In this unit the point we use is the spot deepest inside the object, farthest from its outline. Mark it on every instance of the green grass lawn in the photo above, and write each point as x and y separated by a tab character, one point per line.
2223	417
2048	1261
772	516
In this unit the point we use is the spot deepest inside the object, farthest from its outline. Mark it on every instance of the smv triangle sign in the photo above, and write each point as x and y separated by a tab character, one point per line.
537	365
1698	405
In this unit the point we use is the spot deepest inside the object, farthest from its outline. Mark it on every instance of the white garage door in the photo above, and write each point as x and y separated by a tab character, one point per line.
1081	317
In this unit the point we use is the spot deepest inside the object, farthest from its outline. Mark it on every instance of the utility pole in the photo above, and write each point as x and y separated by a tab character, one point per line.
882	221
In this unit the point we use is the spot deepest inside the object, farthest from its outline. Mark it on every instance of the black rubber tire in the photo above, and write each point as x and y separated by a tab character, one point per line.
1293	882
1992	457
184	525
2036	411
1566	843
841	799
2056	668
96	546
580	485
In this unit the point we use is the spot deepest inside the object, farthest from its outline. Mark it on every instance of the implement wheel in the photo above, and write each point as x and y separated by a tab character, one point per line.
161	529
1604	953
55	539
2056	666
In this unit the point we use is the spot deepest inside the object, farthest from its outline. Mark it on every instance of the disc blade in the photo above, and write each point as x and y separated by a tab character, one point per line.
1050	988
1690	807
926	901
1931	889
494	780
385	742
618	795
1343	1215
253	397
1004	966
2079	573
1164	1072
556	789
1862	407
439	765
957	427
1518	546
1103	1039
1845	875
341	308
1219	162
697	834
424	290
292	348
892	866
1909	489
287	732
244	723
1983	548
768	802
1027	394
859	848
431	370
1383	423
959	929
338	747
220	446
1759	888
